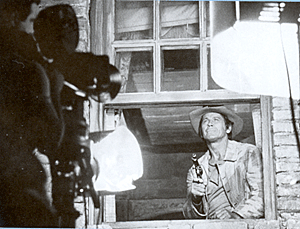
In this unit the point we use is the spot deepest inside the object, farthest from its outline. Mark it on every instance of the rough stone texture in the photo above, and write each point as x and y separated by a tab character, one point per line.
288	180
286	151
284	113
293	224
288	204
292	215
283	126
281	139
287	163
282	103
81	8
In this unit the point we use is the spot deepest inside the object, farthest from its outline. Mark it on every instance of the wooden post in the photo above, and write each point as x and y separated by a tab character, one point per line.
268	160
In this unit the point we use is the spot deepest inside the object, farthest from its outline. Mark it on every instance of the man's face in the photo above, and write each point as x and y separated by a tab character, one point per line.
27	25
213	127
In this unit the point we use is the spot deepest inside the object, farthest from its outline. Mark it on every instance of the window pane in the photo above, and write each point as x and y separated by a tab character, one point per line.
134	20
180	70
207	19
211	84
179	19
136	68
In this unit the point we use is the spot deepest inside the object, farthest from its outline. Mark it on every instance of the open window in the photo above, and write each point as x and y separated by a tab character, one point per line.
159	91
167	141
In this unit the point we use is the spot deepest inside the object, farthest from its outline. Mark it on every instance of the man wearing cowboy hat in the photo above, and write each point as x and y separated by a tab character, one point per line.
232	179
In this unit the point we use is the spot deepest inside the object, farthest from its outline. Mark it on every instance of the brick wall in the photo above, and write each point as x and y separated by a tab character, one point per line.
287	163
81	8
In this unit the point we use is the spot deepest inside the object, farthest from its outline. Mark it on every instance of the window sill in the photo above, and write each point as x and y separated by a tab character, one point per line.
196	224
190	97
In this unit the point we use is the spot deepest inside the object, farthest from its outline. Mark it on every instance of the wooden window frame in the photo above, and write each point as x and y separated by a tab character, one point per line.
101	43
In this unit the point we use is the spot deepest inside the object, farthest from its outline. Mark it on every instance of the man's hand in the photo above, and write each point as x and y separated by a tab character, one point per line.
198	191
198	188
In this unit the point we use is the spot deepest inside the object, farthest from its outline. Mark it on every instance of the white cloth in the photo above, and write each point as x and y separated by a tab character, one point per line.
120	161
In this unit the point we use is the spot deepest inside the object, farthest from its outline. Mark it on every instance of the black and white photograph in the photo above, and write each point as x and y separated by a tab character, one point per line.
143	114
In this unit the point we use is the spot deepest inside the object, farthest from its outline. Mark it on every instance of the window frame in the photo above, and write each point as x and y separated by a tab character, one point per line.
101	43
202	42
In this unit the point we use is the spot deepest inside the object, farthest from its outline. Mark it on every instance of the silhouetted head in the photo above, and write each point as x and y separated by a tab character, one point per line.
18	14
56	30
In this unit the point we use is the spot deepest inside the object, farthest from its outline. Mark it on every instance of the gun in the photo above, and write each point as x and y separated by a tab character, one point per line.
197	167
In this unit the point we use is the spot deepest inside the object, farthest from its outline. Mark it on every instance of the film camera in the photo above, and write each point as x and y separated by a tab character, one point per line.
75	148
86	76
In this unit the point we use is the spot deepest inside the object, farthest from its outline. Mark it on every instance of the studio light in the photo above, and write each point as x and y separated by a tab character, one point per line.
120	161
258	52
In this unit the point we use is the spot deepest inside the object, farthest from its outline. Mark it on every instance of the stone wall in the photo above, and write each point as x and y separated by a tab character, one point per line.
81	8
286	157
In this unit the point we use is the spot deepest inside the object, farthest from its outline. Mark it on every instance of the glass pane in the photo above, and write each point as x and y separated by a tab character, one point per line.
136	68
180	70
211	84
134	20
207	19
179	19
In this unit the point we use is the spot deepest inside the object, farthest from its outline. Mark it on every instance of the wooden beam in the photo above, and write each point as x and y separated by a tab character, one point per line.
268	160
217	97
96	20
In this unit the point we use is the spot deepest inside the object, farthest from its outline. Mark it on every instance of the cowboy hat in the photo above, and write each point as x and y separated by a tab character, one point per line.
196	115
